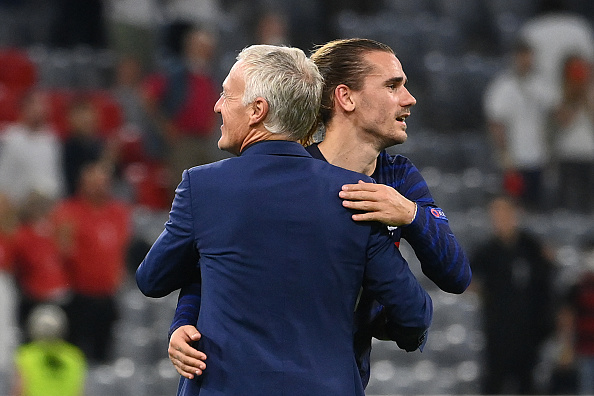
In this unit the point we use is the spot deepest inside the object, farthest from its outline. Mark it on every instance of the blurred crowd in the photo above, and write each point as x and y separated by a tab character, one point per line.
84	142
539	112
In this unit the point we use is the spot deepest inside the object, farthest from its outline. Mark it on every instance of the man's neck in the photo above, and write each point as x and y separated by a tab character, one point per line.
348	152
256	136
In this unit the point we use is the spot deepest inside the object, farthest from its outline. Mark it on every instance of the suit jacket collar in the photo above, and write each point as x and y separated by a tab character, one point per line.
276	147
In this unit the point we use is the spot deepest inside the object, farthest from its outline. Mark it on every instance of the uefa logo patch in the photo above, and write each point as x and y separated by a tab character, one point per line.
438	213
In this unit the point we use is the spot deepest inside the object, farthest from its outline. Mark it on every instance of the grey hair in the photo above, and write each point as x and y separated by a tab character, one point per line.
289	81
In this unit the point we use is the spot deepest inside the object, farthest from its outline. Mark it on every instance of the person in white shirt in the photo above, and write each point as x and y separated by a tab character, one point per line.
516	108
30	153
554	34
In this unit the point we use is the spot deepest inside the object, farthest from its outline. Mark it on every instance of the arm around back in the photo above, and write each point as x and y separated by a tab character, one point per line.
408	307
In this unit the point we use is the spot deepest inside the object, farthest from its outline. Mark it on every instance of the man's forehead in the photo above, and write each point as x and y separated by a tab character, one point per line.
235	74
235	70
384	64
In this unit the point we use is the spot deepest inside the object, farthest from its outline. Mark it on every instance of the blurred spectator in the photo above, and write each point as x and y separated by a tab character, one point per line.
554	34
559	356
30	159
516	109
578	322
182	99
573	137
142	147
139	125
48	365
204	12
94	229
133	29
308	22
272	29
83	143
79	23
513	275
39	269
8	224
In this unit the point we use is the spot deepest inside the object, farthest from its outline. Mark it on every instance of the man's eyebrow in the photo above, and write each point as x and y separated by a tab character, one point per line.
395	81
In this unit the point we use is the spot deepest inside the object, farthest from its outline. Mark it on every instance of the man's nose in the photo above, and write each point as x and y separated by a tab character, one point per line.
408	99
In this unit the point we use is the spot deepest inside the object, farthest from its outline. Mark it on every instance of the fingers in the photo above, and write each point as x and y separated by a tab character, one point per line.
369	216
364	197
185	366
360	186
365	205
187	360
368	192
190	332
371	211
379	202
186	352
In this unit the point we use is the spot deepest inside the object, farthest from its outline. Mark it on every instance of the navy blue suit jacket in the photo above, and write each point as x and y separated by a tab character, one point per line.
282	264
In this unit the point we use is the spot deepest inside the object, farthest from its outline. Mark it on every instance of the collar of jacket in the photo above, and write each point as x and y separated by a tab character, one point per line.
276	147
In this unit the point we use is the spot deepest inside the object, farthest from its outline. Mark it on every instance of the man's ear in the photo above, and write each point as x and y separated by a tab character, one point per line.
343	97
258	111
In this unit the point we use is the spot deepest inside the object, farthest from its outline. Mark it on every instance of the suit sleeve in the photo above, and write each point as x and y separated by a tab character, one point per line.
188	307
408	307
441	256
172	261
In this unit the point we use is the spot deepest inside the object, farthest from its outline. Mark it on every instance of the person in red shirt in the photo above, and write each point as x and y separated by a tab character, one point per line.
181	99
94	232
38	267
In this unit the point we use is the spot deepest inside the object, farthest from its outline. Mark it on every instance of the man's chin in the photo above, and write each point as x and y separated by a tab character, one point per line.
395	141
401	138
231	149
222	146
